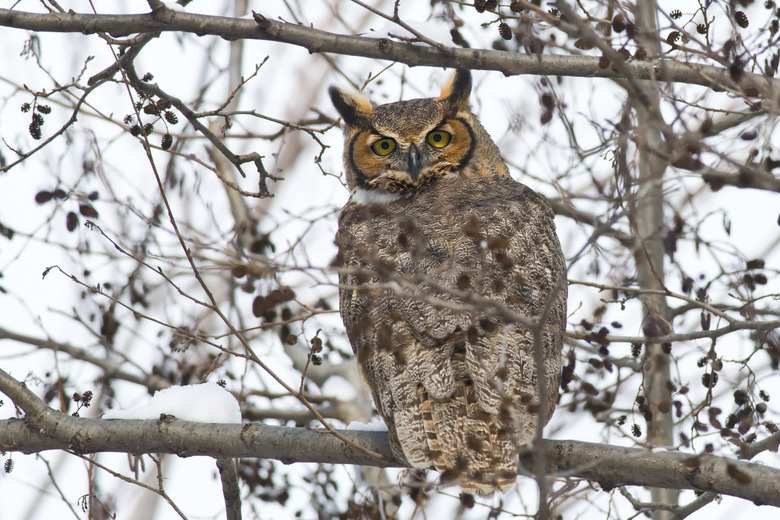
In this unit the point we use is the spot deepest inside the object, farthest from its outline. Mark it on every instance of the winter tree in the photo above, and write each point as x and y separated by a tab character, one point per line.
170	180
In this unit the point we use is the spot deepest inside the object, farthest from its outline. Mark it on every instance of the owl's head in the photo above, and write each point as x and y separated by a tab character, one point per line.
398	148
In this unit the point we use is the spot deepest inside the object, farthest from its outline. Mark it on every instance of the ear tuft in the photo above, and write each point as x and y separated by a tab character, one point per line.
352	107
457	90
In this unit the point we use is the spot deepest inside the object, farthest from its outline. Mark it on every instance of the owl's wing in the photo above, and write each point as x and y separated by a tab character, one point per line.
426	293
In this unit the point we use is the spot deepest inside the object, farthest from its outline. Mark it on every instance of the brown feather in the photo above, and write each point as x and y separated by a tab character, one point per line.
455	381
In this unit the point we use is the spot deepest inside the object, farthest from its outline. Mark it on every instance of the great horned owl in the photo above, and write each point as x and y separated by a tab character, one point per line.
440	251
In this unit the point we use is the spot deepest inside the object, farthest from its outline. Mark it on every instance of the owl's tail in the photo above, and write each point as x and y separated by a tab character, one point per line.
467	445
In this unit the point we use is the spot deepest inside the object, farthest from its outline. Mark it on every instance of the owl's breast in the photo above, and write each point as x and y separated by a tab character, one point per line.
429	255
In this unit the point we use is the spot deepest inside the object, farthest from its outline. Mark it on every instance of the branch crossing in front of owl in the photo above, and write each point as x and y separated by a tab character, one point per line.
445	262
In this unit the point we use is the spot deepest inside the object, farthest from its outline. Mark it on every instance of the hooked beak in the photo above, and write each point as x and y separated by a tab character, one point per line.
414	163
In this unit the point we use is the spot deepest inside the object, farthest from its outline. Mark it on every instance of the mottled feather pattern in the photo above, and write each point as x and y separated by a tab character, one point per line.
429	282
413	349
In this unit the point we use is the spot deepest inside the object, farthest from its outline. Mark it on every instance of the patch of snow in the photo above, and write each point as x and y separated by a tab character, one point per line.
376	425
207	402
176	6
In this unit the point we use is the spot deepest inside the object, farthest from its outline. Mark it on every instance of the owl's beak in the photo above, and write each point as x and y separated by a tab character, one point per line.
414	163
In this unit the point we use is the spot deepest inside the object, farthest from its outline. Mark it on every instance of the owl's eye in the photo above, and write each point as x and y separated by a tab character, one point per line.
438	139
383	146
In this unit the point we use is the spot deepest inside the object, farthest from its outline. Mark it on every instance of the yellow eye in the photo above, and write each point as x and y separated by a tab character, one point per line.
438	139
383	146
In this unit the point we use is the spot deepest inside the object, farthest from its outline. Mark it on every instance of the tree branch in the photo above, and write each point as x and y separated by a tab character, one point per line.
610	466
262	28
230	488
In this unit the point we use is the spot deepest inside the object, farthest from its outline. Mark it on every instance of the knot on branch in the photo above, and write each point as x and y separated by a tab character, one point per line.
260	19
160	12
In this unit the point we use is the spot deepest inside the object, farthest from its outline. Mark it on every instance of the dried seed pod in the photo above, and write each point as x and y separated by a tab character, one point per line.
741	18
458	39
71	221
737	70
239	270
706	319
505	31
35	131
88	211
43	196
709	379
619	23
748	135
583	45
740	397
466	499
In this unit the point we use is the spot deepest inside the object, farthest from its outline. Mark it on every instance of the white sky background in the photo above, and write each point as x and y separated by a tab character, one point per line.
287	86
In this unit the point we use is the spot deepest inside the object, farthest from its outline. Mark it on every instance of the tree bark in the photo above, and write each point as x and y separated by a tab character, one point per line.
610	466
261	28
649	250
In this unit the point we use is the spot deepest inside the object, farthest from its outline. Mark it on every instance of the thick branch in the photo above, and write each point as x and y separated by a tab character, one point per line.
189	439
608	465
261	28
230	488
47	429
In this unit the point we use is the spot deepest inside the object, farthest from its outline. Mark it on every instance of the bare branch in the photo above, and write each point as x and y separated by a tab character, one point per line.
610	466
262	28
230	489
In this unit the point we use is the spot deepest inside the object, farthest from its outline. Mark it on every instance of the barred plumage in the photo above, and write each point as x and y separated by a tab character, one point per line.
443	256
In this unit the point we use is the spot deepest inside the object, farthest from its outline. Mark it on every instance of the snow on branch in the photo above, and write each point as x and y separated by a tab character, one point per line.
608	465
46	429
